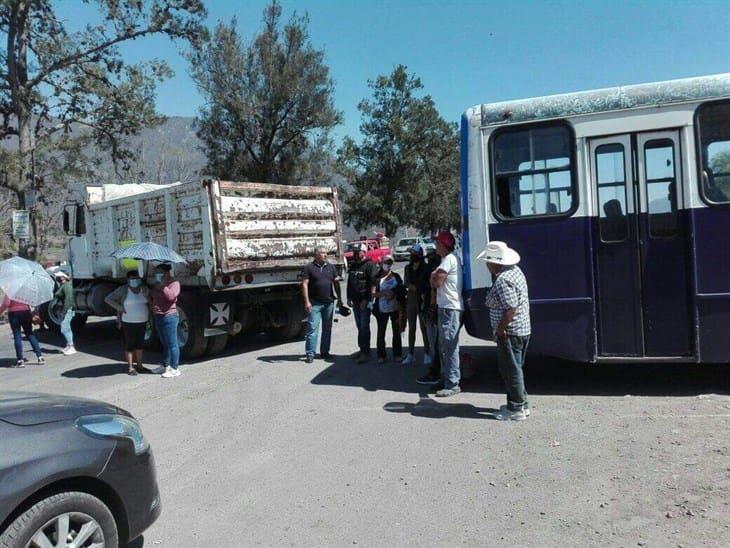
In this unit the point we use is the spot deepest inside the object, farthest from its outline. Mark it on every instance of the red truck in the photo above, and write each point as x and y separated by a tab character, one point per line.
377	248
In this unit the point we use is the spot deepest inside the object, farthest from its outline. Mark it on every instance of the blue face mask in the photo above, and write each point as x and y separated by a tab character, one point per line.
135	282
159	277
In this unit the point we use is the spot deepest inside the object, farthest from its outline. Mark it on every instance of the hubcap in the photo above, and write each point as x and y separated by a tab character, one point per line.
70	530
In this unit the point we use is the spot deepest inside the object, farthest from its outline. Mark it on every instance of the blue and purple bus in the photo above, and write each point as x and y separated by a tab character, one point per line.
618	201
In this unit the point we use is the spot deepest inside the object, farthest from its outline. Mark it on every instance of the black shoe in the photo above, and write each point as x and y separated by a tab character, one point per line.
327	357
309	359
428	379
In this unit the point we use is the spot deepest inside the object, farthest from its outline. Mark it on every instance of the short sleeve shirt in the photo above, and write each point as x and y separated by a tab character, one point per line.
449	294
320	279
510	291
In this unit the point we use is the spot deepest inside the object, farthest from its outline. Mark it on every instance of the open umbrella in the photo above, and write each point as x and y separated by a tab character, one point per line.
25	281
148	251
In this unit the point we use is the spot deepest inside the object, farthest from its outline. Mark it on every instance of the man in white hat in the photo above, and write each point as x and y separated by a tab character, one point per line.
509	315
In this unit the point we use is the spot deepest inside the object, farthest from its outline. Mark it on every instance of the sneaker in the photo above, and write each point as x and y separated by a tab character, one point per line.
69	351
40	361
175	372
408	360
427	379
21	363
427	359
158	370
506	414
169	373
525	409
309	359
446	392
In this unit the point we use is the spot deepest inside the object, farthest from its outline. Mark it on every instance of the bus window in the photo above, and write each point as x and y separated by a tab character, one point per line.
533	171
713	120
661	188
611	180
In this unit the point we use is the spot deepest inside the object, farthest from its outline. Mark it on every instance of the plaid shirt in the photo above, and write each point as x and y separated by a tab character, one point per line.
510	291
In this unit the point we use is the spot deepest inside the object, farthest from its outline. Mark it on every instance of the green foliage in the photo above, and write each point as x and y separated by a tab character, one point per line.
54	81
269	103
405	170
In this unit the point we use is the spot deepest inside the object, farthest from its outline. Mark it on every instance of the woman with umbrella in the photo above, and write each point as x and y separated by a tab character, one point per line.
164	309
26	285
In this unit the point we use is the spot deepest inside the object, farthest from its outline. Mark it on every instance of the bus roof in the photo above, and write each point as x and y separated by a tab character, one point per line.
604	100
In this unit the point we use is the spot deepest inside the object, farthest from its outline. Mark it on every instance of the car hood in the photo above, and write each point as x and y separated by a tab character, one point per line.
31	408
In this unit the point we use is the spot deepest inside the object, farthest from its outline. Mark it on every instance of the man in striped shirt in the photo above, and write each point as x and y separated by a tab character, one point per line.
509	315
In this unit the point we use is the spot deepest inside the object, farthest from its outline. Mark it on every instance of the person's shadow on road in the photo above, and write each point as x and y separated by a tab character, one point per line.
432	409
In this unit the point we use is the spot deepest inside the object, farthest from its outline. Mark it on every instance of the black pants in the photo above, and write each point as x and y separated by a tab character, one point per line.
383	320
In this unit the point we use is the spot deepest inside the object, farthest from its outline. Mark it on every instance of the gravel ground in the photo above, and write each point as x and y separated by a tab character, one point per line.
257	448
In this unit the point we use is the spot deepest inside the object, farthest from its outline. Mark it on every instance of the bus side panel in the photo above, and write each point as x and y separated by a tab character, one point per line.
556	259
711	227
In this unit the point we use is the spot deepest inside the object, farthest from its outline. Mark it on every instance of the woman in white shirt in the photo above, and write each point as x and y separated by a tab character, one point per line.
132	303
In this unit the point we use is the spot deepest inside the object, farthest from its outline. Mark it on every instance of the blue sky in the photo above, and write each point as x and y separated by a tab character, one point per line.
471	52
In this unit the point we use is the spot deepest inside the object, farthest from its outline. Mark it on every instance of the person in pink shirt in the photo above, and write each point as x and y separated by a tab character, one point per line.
20	319
165	292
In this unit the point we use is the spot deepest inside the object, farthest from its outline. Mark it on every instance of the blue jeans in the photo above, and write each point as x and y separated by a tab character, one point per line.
449	324
511	351
166	325
66	331
362	321
20	322
321	313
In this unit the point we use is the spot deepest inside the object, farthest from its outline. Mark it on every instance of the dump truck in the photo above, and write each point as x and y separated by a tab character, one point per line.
245	245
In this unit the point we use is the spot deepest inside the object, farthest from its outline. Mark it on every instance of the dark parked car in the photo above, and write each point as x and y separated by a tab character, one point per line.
73	473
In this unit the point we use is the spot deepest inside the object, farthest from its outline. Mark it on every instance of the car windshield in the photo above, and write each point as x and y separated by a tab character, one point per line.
351	246
407	241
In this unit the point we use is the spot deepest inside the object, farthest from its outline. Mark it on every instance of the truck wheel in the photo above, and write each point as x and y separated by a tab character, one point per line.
190	331
73	514
294	326
216	345
52	316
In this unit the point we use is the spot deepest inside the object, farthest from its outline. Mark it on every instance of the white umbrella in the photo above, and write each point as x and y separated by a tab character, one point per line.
25	281
149	251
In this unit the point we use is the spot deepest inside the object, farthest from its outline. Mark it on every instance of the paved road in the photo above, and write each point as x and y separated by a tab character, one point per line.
259	448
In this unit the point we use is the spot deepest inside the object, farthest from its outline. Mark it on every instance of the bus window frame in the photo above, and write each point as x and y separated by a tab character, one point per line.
699	157
575	198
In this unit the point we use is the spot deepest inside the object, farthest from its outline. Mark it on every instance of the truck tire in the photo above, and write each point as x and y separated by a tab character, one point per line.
294	326
191	330
216	345
42	521
52	318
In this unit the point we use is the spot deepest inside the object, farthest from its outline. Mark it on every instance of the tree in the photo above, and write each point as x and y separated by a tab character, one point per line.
405	170
53	81
269	104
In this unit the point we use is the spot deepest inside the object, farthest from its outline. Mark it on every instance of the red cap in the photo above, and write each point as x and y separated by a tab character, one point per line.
446	239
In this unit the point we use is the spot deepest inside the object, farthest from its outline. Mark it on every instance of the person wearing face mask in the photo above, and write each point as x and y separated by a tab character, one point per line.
388	308
164	310
416	280
131	302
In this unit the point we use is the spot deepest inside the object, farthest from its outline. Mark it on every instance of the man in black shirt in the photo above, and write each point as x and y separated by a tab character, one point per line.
362	275
319	287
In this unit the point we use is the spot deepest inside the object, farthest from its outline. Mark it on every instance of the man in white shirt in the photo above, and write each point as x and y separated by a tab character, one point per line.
447	280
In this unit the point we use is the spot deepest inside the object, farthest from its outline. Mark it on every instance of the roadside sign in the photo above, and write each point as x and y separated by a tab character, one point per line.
21	224
31	198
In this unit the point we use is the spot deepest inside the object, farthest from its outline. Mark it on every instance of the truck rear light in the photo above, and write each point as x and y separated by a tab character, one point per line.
249	278
237	279
226	280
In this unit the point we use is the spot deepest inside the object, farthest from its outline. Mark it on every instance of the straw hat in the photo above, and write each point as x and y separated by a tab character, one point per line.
499	253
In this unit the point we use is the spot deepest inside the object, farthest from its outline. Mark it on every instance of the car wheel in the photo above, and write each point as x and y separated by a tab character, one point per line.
68	520
190	330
